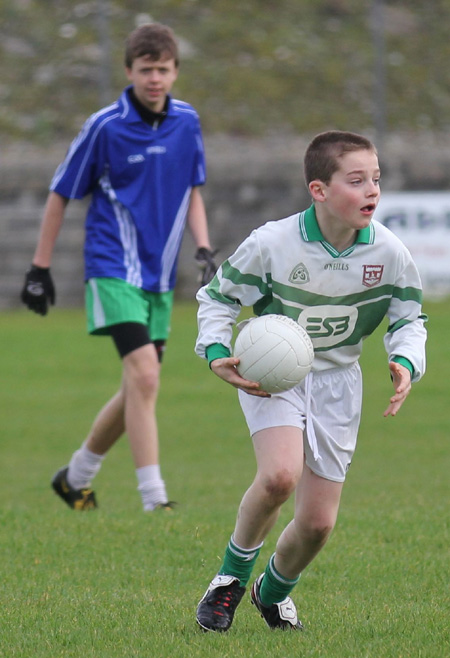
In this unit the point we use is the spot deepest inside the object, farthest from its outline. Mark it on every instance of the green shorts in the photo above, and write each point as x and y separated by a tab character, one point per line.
113	301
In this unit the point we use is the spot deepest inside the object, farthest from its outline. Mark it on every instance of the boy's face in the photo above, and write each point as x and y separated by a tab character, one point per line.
152	80
350	198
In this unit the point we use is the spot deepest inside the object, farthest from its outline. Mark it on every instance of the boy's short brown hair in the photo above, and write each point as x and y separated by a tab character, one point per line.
153	40
323	153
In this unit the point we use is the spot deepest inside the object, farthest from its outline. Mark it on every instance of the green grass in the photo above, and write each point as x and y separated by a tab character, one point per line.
118	583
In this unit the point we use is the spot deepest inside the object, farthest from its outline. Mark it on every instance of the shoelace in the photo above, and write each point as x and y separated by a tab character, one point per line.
225	599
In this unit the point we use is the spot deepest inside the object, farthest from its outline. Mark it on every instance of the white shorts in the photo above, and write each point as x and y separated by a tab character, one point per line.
326	406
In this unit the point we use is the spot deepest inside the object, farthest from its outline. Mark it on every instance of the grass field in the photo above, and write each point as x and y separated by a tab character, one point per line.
118	583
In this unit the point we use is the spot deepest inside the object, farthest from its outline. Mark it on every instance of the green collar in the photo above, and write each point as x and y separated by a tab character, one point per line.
310	231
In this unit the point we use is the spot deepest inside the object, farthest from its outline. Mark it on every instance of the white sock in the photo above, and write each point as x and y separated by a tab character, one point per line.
83	467
151	487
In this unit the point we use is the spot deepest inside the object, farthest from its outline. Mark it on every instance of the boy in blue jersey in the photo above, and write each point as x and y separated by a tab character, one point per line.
142	161
337	273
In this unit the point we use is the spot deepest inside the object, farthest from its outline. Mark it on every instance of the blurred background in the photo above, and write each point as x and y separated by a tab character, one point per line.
265	77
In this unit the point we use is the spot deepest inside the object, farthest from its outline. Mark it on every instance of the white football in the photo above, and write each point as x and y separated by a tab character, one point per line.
274	351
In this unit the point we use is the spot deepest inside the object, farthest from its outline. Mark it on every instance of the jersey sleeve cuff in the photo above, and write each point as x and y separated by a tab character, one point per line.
404	362
217	351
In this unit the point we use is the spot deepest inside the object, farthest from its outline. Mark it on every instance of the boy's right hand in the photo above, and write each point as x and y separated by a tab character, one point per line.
38	289
226	369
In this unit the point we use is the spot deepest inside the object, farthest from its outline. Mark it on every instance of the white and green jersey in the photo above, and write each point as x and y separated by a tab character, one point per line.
287	267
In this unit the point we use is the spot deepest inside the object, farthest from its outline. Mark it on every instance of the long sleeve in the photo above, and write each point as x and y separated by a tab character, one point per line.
406	335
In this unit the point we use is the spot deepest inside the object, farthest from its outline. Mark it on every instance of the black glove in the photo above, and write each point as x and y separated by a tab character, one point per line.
38	289
205	260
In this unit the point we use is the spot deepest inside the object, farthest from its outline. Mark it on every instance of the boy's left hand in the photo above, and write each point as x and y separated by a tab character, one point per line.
206	263
401	379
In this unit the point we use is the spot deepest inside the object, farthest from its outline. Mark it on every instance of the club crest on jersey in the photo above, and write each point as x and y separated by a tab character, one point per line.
299	274
372	275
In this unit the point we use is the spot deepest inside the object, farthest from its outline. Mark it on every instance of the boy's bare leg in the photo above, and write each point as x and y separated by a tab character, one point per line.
279	457
141	384
317	505
132	409
141	370
108	426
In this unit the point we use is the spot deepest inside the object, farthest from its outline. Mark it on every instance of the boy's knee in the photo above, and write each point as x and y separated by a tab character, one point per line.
148	383
279	485
318	530
142	374
143	381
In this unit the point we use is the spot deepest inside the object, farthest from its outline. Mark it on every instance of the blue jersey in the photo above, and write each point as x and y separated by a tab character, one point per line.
140	178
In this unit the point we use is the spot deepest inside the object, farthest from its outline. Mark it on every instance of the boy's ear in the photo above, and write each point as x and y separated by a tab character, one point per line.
317	190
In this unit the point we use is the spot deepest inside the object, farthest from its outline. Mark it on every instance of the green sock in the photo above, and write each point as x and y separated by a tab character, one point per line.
274	586
239	562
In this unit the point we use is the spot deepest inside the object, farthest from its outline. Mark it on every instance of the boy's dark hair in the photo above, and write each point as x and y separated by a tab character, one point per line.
153	40
323	153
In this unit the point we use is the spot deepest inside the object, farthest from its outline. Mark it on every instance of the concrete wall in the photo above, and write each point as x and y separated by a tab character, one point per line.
249	183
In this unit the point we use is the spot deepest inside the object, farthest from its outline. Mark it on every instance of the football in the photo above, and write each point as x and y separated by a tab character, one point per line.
274	351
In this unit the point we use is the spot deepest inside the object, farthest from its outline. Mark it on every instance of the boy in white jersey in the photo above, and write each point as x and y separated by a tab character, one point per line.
141	159
339	273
